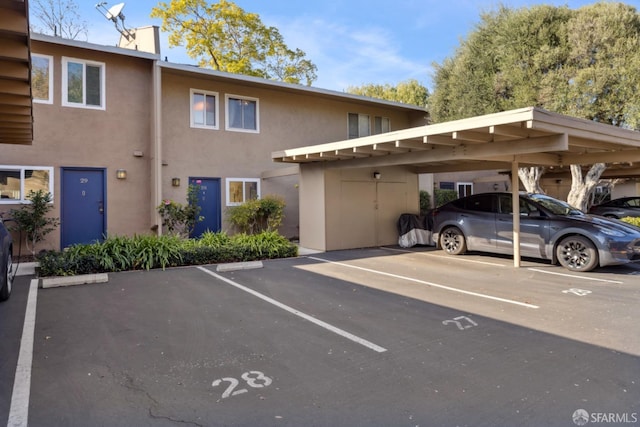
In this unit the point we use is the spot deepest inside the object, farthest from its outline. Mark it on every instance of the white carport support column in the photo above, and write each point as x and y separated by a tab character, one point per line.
515	197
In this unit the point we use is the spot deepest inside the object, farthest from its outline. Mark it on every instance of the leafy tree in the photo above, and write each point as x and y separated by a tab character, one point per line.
32	219
579	62
58	18
407	92
224	37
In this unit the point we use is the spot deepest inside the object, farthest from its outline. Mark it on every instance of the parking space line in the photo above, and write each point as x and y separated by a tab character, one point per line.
298	313
593	279
452	258
19	409
435	285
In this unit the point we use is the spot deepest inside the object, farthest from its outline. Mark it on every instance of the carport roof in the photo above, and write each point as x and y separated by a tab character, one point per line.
530	136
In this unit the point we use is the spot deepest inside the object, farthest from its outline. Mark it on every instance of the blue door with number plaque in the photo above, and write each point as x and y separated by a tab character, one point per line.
83	211
209	202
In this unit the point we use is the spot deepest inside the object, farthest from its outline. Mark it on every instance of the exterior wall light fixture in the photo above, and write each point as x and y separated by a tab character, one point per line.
175	182
121	174
377	175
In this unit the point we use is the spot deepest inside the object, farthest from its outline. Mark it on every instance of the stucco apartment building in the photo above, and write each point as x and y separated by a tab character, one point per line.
117	131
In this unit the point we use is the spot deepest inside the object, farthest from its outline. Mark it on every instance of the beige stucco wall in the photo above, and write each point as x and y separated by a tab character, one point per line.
287	120
357	210
78	137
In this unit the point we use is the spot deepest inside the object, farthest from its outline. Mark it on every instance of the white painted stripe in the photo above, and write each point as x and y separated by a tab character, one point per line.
292	310
447	257
19	409
593	279
435	285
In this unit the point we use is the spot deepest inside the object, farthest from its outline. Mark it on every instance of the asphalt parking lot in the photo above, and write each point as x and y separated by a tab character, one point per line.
375	337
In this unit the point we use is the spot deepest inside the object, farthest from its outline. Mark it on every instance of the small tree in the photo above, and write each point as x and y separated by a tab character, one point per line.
32	220
425	202
181	219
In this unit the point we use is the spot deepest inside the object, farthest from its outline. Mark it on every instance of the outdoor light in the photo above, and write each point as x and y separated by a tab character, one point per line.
377	175
121	174
175	182
495	187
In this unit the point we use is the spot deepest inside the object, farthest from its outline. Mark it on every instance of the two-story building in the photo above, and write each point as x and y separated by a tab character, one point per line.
116	131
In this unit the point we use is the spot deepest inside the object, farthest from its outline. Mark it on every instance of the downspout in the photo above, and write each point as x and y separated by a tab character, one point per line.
156	151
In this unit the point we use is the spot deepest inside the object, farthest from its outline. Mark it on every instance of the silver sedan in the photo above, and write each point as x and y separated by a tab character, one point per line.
549	229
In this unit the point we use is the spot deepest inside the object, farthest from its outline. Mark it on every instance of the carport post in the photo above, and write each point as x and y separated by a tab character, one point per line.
515	198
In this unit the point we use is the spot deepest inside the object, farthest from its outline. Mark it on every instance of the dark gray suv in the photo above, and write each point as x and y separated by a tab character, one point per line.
6	264
549	229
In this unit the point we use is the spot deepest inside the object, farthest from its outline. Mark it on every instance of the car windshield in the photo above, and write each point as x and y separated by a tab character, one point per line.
557	207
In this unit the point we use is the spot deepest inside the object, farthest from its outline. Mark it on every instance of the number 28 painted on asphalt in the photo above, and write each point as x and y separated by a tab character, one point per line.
255	379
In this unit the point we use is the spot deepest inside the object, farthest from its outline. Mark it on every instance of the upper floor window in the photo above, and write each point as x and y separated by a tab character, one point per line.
204	109
240	190
16	182
242	114
359	125
381	125
42	78
83	83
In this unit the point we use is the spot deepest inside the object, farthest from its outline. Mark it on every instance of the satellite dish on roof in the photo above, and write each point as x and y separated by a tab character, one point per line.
114	13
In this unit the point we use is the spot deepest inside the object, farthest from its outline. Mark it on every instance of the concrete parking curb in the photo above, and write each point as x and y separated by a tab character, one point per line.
84	279
232	266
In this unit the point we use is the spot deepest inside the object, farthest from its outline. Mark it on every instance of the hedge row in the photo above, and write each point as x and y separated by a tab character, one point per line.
632	220
147	252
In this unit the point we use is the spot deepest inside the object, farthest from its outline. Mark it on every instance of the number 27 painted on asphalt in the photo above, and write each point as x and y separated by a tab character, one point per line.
255	379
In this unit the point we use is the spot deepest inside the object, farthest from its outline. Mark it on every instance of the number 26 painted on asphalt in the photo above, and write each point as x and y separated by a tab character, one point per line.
255	379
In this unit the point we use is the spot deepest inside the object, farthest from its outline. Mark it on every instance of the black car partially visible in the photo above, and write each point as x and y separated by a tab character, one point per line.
618	208
6	264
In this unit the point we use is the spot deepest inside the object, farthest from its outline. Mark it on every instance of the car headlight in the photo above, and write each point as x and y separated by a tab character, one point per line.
611	232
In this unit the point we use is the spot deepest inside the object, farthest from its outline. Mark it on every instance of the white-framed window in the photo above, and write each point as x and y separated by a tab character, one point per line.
83	83
243	114
465	189
359	125
42	78
204	109
16	182
381	125
239	190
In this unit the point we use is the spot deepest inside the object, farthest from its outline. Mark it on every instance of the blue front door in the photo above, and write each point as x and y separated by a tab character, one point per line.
83	218
209	201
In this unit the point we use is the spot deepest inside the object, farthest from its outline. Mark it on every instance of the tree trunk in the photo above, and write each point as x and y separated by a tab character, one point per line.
530	178
582	186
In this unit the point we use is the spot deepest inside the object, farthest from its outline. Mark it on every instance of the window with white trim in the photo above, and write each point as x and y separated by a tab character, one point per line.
16	182
242	114
359	125
465	189
42	78
381	125
240	190
204	109
83	83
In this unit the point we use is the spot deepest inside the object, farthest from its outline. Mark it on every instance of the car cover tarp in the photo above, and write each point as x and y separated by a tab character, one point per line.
415	230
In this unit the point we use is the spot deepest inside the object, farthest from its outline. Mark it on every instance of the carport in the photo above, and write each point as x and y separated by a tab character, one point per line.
353	191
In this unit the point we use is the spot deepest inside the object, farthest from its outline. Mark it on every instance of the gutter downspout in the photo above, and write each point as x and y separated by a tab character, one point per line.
156	149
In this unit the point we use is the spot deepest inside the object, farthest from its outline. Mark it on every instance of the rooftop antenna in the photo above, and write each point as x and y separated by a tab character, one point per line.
114	13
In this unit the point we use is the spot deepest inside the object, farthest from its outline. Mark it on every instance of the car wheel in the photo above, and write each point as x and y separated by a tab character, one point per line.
452	241
5	292
577	253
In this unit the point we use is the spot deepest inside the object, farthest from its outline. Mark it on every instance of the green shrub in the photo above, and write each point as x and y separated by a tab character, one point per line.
632	220
181	219
258	215
425	202
444	196
147	252
32	219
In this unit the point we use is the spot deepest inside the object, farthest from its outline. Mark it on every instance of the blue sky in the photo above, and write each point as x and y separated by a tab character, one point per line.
352	42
